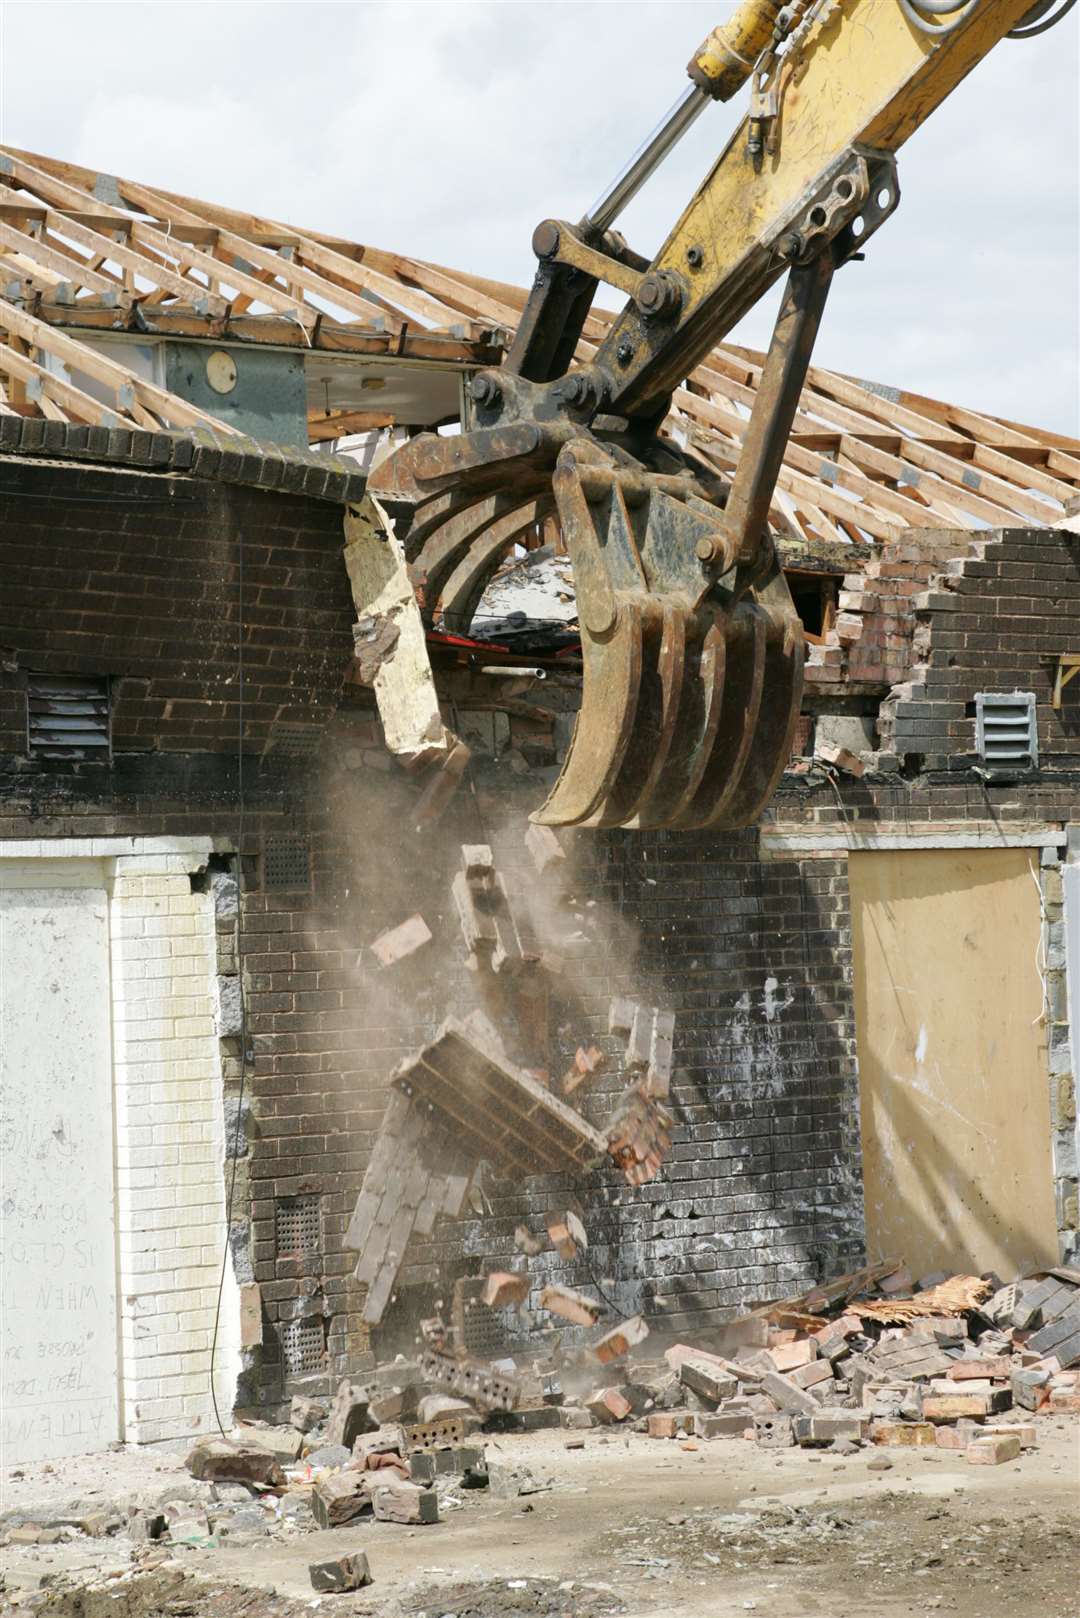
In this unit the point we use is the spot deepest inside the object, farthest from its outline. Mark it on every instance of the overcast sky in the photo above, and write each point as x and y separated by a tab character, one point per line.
448	130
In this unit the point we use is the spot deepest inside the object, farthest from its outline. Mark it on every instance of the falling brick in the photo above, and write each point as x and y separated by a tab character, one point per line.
661	1055
526	1242
608	1405
640	1041
840	757
620	1016
570	1305
567	1234
400	942
620	1339
503	1289
586	1063
544	847
638	1137
440	789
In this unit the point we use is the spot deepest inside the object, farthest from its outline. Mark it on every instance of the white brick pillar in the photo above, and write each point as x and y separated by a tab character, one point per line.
169	1146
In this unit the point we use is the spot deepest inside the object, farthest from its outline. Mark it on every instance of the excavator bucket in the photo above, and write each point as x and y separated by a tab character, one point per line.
692	673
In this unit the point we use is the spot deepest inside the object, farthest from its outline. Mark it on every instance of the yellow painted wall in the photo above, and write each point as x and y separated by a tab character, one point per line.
955	1106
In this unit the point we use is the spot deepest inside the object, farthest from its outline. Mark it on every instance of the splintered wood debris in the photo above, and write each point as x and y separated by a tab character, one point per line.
953	1297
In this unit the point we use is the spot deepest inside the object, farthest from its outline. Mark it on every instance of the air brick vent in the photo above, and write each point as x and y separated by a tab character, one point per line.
297	1227
68	715
1006	736
286	864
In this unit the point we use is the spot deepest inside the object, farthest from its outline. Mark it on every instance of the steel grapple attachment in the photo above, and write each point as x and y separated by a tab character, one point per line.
692	664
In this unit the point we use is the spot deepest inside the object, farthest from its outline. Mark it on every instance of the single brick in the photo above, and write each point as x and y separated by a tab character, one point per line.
993	1451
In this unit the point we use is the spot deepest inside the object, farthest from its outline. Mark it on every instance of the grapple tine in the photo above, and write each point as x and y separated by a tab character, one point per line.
774	732
460	595
745	646
696	723
453	540
662	675
605	723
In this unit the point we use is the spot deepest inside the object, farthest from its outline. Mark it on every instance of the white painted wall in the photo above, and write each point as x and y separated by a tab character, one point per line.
133	1018
59	1388
1070	872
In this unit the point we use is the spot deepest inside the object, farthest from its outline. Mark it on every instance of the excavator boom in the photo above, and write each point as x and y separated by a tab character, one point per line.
692	649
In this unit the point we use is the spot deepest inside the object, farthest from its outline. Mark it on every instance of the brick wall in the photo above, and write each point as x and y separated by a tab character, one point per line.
140	578
762	1192
170	1193
995	621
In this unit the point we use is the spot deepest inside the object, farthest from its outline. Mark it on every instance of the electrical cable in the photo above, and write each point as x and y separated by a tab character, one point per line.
1031	24
98	499
237	931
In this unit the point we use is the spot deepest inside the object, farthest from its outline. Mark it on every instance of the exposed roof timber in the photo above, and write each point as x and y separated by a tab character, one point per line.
85	250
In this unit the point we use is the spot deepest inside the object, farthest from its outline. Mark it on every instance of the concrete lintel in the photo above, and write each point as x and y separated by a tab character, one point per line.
197	849
778	841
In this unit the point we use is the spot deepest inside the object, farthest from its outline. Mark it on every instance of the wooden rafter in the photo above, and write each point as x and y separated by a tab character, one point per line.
863	462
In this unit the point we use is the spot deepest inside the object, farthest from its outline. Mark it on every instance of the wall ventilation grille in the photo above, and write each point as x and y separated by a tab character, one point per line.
68	715
286	864
1006	736
297	1227
303	1347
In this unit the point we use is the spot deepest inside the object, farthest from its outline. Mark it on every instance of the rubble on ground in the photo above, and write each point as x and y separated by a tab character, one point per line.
966	1364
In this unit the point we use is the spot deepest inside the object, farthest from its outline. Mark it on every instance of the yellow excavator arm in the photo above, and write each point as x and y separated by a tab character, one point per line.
692	649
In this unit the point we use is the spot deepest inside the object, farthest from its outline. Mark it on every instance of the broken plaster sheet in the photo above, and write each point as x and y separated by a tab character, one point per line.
390	629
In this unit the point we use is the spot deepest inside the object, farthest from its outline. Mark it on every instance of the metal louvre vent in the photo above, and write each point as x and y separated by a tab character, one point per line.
298	1227
1006	735
286	863
68	715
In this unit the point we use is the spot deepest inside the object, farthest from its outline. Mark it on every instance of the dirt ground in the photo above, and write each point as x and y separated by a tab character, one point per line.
630	1526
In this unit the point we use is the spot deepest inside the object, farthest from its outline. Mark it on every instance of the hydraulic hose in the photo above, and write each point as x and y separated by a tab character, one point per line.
935	8
1031	24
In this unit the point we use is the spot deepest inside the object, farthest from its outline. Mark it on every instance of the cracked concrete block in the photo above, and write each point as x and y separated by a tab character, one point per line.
228	1007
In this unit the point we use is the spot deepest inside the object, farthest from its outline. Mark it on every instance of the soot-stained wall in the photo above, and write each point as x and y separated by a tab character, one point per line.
137	577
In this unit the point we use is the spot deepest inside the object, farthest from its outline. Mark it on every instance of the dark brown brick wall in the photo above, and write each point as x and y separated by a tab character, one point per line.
141	578
137	577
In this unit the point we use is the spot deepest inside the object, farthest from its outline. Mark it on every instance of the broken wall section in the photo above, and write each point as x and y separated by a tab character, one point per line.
761	1190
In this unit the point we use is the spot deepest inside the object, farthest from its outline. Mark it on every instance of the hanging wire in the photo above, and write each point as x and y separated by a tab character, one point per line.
237	943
